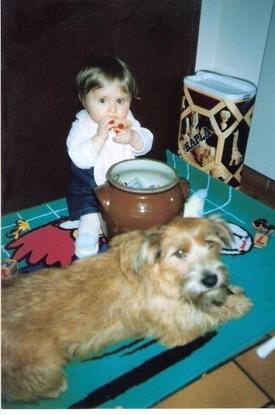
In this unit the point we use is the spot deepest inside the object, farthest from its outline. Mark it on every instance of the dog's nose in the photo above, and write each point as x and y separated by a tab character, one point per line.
209	280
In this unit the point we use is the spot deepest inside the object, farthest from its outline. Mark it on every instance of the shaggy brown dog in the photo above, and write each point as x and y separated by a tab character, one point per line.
167	283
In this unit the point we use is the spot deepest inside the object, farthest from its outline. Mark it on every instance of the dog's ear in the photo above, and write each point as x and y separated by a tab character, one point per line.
221	230
149	251
137	249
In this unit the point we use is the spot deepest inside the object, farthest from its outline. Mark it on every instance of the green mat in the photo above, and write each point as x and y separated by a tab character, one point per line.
138	373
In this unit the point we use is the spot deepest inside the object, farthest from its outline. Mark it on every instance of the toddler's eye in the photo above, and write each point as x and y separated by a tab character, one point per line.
102	100
120	101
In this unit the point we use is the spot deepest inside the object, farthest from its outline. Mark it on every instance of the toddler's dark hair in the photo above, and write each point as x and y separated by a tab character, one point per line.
105	68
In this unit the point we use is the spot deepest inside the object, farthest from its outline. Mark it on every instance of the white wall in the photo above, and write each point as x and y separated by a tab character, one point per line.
237	37
260	154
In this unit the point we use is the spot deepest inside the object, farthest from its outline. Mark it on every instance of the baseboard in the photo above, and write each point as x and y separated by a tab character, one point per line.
258	186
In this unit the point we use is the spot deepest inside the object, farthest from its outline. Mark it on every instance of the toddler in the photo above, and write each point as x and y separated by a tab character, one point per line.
104	132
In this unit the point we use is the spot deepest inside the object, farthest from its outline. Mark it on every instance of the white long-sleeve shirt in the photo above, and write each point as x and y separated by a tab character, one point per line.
81	151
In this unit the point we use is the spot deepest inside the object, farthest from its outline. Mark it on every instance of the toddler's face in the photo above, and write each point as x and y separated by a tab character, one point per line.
109	100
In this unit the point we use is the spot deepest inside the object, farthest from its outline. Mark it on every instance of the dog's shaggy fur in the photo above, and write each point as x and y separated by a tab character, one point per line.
167	283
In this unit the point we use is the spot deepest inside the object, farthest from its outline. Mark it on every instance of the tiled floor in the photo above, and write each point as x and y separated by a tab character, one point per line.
247	381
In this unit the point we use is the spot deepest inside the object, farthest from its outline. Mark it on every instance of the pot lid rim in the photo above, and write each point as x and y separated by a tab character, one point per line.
175	180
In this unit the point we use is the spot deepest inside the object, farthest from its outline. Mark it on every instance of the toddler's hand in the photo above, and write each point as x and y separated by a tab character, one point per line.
104	126
126	136
121	125
123	133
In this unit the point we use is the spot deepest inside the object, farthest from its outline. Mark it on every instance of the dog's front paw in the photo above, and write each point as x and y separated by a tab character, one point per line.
238	304
55	393
234	289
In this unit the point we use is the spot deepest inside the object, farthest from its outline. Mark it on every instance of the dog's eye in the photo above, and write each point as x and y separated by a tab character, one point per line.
211	244
179	253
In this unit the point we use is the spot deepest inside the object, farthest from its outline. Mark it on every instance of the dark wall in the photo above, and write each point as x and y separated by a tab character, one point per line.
44	44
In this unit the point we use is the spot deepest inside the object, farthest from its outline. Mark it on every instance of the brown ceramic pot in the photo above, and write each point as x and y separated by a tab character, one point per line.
139	194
